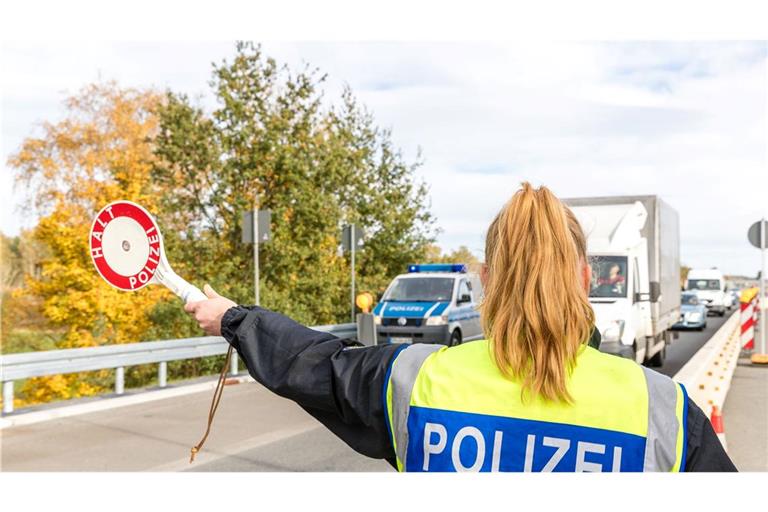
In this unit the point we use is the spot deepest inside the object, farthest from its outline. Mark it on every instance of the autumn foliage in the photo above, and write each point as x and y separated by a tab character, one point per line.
273	138
100	152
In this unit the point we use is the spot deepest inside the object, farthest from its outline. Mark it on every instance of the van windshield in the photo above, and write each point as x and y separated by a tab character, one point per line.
421	289
703	284
609	276
690	299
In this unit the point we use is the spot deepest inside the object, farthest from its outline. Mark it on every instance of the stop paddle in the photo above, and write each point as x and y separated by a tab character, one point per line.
126	247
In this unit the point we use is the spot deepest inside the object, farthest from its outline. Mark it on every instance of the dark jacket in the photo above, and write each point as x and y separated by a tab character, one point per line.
340	383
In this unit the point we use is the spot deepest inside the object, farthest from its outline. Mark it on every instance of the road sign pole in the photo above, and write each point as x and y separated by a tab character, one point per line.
761	301
352	245
256	251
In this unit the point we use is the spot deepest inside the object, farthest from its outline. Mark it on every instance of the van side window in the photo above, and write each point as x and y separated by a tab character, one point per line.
464	289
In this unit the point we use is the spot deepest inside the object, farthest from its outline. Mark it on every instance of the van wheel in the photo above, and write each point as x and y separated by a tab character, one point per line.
455	338
657	360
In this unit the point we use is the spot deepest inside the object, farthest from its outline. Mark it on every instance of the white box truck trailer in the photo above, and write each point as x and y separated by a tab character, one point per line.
634	250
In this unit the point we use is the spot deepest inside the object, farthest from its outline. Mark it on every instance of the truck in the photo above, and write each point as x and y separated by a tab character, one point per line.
709	285
633	245
431	303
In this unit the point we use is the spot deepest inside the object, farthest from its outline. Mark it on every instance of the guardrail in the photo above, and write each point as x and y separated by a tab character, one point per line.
55	362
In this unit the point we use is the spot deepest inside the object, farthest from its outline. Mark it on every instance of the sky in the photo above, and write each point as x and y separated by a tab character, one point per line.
685	121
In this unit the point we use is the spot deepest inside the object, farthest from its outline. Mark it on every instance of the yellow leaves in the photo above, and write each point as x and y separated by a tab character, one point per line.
61	387
102	151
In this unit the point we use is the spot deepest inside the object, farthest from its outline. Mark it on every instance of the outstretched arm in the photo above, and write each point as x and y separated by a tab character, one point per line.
337	381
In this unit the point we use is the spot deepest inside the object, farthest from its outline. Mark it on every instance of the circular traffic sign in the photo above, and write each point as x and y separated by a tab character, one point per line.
754	235
125	245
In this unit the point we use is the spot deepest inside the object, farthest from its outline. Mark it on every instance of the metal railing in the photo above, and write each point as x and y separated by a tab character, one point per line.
55	362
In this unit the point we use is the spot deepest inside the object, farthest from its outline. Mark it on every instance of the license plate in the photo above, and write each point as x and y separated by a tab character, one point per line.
400	340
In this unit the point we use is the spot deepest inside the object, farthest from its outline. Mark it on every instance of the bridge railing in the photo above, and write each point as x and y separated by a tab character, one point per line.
56	362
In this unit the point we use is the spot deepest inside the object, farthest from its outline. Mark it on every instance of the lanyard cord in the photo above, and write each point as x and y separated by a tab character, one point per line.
214	405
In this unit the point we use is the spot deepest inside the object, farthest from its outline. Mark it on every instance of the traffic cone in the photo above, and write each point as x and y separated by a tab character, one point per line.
717	424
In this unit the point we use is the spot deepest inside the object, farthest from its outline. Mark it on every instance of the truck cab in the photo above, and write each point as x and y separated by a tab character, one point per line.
709	285
633	251
432	303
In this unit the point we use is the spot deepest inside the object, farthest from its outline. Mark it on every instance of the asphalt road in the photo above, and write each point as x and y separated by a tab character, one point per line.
254	430
688	343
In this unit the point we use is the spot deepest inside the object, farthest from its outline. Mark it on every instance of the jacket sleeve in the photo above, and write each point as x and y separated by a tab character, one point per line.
704	451
337	381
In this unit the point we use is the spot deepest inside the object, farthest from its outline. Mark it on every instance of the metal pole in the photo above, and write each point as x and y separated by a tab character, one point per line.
352	249
233	364
256	250
761	301
162	374
119	380
8	397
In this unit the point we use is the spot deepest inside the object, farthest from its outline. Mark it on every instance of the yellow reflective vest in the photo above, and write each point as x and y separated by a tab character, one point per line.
451	409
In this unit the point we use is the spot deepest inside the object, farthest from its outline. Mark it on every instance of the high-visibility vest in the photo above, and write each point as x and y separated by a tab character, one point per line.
451	409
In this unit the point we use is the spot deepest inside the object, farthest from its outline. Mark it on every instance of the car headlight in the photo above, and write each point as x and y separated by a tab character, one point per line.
437	320
614	331
376	320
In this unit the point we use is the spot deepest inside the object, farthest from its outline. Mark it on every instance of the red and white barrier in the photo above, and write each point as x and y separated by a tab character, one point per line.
748	317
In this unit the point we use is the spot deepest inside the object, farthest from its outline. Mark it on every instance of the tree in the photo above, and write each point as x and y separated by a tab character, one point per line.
317	166
684	269
100	152
273	140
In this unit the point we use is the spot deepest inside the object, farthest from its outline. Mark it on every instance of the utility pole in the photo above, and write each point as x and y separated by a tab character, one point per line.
256	249
352	253
352	237
761	302
256	228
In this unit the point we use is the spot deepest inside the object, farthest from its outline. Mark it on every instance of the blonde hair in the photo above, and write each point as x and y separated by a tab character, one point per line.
536	312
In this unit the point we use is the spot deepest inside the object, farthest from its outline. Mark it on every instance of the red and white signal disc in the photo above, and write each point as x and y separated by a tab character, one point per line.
125	245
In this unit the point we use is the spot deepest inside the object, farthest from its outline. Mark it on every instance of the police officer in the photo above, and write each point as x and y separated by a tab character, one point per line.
534	396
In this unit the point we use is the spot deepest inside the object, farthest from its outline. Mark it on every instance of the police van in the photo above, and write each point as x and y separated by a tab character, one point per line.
432	303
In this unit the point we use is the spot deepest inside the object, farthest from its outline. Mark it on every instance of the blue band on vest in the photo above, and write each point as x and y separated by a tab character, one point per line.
684	426
441	440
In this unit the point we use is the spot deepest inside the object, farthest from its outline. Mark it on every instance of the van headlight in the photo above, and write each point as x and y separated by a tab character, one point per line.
376	320
614	331
437	320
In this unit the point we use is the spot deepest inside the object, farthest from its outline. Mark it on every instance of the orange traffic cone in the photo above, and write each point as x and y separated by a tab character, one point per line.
717	424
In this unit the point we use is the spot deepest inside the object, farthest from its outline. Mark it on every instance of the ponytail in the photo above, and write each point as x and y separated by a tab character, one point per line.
536	312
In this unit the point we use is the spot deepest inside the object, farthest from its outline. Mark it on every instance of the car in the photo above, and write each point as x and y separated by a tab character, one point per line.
693	312
735	294
432	303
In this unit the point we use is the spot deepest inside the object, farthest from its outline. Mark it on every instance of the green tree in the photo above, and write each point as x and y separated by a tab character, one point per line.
273	139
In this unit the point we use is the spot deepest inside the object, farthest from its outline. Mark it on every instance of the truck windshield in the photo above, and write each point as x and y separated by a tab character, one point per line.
703	284
421	289
609	276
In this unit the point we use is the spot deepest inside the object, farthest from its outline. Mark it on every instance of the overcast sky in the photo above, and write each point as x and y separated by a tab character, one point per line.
684	121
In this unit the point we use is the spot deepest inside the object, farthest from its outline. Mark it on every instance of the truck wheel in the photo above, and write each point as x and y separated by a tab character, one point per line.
657	360
455	338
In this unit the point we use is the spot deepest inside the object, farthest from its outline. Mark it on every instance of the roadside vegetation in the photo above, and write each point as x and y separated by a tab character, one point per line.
317	162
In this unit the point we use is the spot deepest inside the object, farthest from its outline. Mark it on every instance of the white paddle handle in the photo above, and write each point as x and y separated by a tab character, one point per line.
178	285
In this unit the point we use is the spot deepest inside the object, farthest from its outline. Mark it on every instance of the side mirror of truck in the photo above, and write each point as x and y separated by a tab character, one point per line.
464	298
655	291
